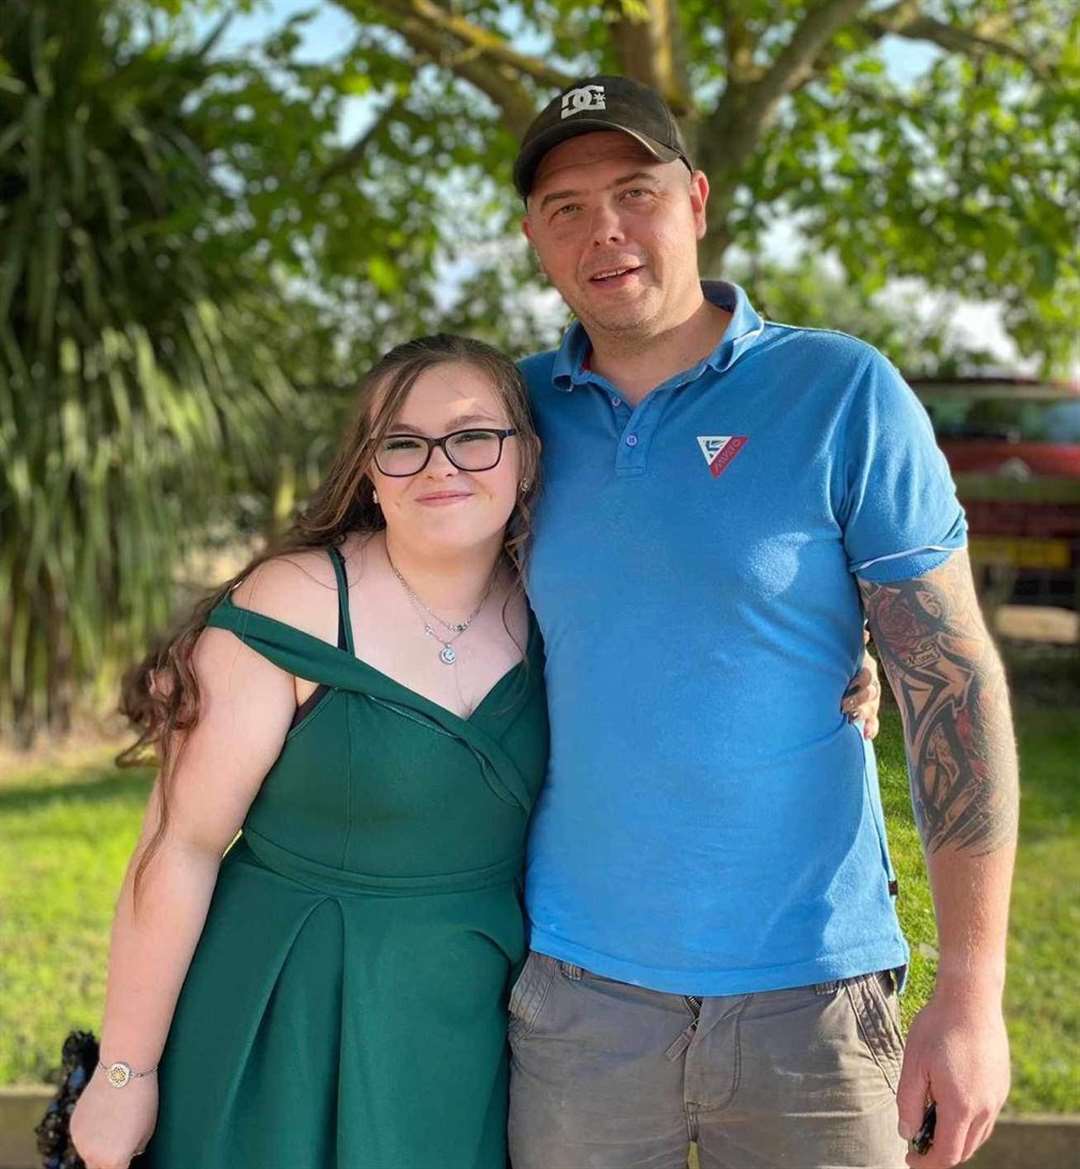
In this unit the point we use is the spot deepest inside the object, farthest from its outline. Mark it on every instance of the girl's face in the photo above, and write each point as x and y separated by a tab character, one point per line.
443	508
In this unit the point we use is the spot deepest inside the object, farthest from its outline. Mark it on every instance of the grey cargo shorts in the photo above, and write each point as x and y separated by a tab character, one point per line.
605	1075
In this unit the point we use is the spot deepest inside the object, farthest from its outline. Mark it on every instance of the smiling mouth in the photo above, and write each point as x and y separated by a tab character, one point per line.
613	273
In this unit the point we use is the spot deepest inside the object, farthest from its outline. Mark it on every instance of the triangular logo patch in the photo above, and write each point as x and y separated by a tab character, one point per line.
720	449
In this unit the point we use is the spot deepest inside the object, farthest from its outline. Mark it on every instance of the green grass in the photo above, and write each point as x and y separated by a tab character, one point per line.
1043	995
65	836
913	903
66	832
1042	998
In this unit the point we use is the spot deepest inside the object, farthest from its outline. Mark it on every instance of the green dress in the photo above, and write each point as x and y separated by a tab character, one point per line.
346	1004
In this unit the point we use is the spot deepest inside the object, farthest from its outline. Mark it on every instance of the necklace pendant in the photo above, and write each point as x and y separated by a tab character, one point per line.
447	655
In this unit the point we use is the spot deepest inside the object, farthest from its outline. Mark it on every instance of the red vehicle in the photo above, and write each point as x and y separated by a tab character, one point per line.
1014	448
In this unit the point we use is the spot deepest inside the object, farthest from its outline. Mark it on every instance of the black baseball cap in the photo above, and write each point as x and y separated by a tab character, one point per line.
600	103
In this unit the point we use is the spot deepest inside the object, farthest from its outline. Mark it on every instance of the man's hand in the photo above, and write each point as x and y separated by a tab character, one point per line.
957	1054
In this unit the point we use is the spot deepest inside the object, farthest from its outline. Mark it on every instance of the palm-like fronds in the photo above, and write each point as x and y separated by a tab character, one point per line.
133	389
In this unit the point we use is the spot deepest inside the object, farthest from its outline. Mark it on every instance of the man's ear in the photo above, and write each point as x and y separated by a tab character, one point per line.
527	228
699	197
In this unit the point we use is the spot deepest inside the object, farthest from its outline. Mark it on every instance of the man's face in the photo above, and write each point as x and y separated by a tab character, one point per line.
616	232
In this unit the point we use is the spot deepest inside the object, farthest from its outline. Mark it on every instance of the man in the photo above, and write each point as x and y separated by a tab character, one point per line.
715	952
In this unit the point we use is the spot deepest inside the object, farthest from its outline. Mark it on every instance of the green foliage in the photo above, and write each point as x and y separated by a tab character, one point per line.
813	295
963	178
137	387
192	278
194	269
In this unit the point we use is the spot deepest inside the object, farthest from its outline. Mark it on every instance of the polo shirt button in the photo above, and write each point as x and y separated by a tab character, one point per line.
631	440
616	401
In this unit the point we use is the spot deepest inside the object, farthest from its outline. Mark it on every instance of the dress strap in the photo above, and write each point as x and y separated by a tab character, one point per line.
344	618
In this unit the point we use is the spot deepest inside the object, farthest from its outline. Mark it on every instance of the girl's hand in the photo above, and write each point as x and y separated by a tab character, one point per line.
862	698
111	1125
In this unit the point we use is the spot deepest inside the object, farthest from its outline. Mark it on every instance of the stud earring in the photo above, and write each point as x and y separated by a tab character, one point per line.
375	498
524	486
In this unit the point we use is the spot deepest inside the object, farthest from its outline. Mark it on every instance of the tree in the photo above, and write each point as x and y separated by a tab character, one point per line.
194	269
815	295
965	178
138	386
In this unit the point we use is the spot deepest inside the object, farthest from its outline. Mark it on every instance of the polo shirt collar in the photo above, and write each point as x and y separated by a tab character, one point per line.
744	331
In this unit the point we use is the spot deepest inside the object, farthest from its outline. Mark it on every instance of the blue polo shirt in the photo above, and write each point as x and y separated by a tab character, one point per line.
711	823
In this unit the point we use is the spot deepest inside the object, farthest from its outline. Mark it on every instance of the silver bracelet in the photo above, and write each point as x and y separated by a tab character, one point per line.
119	1074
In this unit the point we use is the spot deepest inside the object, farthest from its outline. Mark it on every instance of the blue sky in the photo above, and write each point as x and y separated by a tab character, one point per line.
331	28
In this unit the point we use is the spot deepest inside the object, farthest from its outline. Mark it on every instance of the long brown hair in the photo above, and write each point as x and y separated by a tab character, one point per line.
160	695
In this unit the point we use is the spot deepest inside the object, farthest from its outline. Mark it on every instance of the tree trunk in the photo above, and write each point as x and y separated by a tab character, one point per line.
712	249
650	49
60	682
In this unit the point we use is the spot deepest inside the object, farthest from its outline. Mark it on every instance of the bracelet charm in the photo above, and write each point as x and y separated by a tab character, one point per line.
119	1074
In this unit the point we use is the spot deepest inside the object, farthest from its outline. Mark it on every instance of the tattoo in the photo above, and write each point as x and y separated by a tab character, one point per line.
951	689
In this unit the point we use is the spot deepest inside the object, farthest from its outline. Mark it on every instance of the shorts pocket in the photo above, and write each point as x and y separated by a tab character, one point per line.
873	1001
529	991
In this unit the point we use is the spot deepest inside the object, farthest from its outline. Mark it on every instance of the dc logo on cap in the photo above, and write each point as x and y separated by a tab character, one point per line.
588	97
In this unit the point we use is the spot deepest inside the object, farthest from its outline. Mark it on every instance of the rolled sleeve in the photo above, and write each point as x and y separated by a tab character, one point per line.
896	501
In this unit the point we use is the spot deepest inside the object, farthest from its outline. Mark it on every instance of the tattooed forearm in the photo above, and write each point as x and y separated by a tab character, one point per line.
951	689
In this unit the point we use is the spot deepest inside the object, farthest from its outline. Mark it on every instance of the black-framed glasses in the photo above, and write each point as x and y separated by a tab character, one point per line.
475	449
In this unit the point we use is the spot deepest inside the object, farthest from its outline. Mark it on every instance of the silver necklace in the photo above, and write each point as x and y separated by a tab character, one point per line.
447	655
